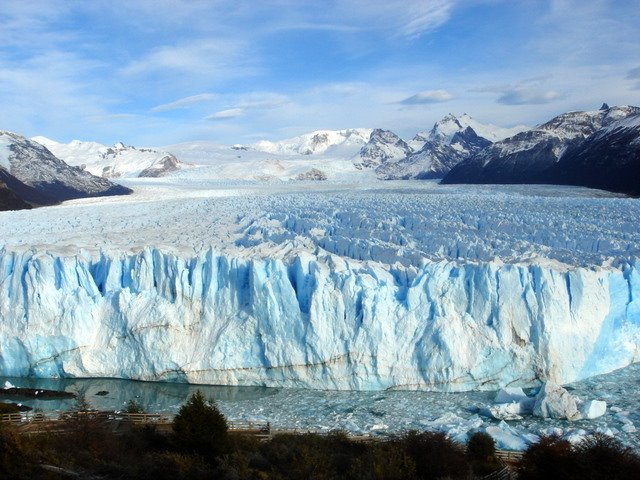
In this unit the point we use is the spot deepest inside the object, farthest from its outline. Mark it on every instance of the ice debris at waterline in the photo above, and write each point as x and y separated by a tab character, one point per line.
365	412
418	287
551	401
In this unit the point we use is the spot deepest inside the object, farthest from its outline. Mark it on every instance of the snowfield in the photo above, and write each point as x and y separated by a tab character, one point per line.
328	285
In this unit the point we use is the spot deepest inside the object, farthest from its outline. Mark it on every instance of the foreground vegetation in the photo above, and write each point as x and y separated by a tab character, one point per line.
200	446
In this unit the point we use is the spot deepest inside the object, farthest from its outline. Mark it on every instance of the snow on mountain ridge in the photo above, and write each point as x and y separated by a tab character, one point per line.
527	156
449	125
37	176
316	142
382	146
119	160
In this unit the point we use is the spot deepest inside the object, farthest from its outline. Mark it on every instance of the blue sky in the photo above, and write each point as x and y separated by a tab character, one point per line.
156	72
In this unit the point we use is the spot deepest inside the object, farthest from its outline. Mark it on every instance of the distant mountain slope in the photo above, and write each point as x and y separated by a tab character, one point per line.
528	156
316	142
113	162
434	153
449	125
38	177
382	146
609	159
9	200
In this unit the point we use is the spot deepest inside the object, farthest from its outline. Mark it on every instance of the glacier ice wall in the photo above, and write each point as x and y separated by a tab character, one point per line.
318	321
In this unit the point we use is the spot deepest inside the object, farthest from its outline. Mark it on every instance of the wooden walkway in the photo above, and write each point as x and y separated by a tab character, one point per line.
55	422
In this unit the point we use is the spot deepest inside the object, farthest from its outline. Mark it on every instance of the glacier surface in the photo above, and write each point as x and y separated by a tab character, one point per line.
344	287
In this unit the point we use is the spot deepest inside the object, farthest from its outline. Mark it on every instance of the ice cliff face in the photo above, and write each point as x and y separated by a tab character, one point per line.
318	321
324	286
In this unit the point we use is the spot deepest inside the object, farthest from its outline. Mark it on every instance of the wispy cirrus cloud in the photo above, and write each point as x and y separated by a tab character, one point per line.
634	74
227	114
262	101
428	97
528	92
251	101
222	57
185	102
527	96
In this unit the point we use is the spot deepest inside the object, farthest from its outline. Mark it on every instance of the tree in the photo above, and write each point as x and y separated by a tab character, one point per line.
199	427
133	407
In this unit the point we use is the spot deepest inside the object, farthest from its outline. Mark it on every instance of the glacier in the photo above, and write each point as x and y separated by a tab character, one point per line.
276	297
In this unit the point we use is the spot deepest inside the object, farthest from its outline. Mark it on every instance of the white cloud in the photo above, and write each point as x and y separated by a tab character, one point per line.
401	18
262	101
343	89
428	96
226	114
185	102
527	92
210	57
527	96
634	74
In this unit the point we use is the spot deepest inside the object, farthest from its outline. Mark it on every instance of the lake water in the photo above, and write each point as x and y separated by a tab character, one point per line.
377	413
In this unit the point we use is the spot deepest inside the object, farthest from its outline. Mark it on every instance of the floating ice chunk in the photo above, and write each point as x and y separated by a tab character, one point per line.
454	426
553	401
593	409
623	417
627	424
503	411
510	394
557	431
507	438
575	436
378	426
8	385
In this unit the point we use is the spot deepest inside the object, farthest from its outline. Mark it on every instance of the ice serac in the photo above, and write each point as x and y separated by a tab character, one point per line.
318	321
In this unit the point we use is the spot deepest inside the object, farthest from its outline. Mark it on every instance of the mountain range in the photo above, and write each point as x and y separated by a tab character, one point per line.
117	161
30	175
599	149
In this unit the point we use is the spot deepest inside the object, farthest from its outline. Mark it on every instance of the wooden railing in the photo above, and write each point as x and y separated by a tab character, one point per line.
260	429
509	456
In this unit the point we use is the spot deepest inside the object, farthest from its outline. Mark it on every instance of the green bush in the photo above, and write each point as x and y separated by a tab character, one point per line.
435	455
200	428
481	447
551	457
481	451
8	408
18	456
601	456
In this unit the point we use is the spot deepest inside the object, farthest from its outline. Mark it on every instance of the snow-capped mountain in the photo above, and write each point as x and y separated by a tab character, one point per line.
608	159
449	125
37	176
383	145
316	142
434	153
527	156
119	160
